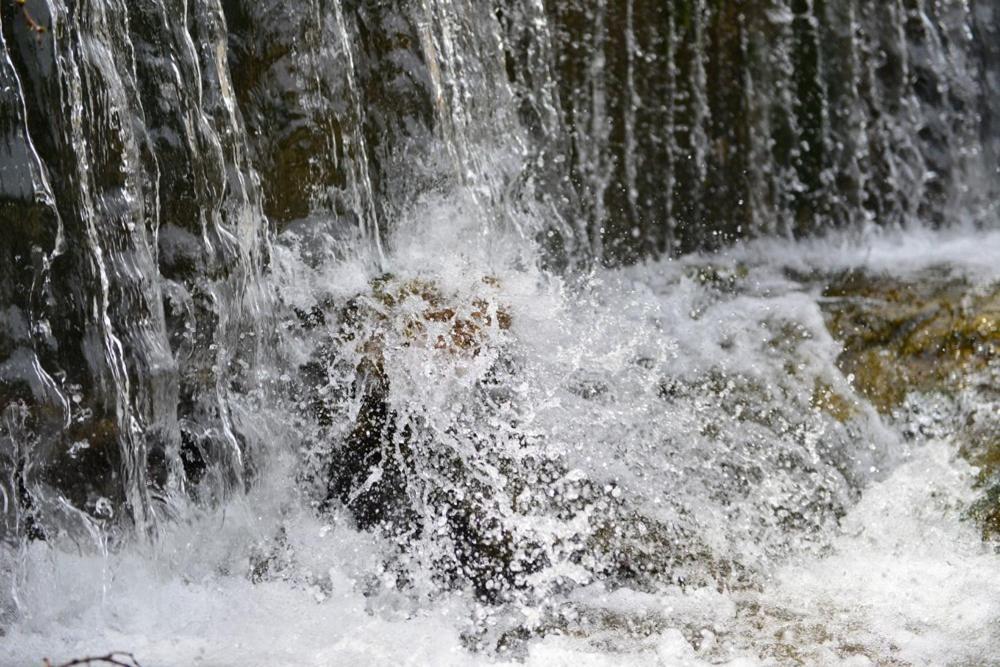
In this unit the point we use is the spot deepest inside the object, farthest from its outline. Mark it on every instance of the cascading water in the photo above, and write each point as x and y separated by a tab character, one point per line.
340	330
696	122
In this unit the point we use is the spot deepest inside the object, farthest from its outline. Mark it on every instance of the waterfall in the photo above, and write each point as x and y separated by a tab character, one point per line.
143	241
222	224
786	117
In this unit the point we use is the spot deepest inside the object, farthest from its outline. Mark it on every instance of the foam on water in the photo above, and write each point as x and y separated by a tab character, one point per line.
906	574
905	578
963	248
613	375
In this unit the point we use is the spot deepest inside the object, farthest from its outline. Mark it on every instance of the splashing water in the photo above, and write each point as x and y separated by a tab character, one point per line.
700	507
311	354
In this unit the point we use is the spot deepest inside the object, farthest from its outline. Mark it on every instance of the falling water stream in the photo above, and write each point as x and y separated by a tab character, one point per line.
461	332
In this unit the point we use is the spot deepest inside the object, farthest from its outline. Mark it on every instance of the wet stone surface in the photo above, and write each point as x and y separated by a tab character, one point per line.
925	350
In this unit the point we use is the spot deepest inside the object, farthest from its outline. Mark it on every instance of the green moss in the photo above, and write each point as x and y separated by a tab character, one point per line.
928	334
825	399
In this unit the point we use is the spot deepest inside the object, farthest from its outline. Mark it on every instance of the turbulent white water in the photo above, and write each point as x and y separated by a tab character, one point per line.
611	379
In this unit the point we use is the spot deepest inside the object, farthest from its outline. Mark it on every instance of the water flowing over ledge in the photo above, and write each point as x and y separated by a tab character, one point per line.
367	323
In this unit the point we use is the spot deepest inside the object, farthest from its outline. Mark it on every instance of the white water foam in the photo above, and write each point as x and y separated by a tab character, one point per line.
902	577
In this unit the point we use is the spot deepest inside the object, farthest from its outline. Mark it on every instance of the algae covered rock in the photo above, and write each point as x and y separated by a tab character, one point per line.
930	332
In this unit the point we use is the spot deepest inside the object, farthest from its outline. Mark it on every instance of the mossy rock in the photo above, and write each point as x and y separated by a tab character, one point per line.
980	436
930	333
826	399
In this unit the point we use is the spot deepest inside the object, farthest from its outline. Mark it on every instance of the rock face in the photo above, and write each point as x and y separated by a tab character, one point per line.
930	335
328	92
129	278
697	121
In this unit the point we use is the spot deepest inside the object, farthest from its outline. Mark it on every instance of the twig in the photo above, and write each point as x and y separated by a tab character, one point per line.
109	659
34	25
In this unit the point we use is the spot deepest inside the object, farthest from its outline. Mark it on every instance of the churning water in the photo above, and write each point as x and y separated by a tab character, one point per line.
768	532
345	333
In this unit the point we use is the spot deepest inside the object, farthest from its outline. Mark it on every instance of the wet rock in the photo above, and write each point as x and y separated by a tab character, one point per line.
827	399
87	467
720	278
459	485
392	469
454	473
929	337
931	332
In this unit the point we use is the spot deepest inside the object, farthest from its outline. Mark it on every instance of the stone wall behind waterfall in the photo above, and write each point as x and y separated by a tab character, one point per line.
153	150
694	122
